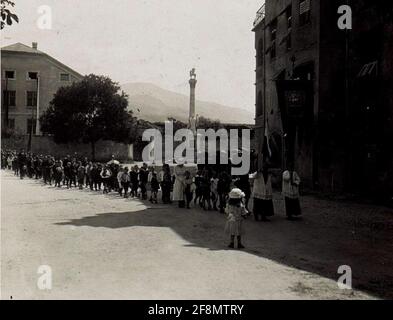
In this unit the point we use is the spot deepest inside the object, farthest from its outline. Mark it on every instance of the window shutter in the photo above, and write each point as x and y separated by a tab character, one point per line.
305	6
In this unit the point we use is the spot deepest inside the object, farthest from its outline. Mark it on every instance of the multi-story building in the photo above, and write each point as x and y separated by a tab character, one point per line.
29	79
341	140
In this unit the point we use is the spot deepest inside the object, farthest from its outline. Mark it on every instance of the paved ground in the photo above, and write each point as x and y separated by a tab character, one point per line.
105	247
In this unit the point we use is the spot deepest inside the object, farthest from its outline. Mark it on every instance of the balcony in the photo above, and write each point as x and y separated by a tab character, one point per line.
260	16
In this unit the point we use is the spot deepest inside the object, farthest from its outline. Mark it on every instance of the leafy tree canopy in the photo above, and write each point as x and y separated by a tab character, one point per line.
88	111
7	17
206	123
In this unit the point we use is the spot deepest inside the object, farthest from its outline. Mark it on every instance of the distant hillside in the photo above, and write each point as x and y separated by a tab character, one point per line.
152	103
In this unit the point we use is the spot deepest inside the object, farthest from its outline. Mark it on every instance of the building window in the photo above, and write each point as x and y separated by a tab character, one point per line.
64	77
260	53
305	12
29	126
10	75
9	98
31	98
273	38
32	76
259	111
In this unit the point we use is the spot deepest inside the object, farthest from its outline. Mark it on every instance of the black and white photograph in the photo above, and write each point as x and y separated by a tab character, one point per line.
195	150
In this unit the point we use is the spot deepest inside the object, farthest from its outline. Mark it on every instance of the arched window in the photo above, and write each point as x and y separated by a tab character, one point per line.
259	111
260	53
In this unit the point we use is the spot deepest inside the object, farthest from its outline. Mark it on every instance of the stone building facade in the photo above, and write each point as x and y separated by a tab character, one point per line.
29	79
350	75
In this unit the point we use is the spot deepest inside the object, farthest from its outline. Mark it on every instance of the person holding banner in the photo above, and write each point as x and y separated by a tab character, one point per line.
290	190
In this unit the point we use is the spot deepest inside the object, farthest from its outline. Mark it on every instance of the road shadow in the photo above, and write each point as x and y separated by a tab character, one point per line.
332	234
317	244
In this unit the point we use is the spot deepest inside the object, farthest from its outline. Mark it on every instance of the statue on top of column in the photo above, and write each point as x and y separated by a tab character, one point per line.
193	74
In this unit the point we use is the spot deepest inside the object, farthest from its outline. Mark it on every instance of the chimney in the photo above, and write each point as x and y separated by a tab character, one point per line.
34	45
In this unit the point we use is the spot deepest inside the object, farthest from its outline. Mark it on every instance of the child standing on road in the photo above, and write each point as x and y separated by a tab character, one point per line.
152	172
143	179
134	181
166	184
9	162
198	188
155	186
95	174
15	166
206	204
125	182
214	192
236	213
119	184
106	175
81	175
223	188
89	180
189	188
58	174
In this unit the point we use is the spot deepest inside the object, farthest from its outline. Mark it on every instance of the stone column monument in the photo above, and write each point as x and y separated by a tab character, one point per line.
192	116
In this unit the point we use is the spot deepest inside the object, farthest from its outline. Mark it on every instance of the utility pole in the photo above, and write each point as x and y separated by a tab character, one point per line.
31	130
37	126
32	117
6	103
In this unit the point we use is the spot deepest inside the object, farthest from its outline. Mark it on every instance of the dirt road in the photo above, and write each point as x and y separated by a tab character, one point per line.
105	247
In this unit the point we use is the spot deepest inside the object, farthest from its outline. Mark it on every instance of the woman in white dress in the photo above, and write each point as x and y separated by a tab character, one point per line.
263	194
179	186
236	213
290	190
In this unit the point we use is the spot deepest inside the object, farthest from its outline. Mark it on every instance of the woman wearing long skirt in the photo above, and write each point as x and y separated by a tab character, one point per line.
263	195
179	186
290	190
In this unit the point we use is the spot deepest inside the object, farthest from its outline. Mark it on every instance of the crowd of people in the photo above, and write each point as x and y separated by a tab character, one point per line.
206	188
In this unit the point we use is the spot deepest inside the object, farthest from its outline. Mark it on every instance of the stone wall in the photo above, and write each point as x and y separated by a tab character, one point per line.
46	145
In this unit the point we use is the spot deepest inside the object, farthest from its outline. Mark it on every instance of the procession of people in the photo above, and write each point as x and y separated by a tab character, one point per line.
203	187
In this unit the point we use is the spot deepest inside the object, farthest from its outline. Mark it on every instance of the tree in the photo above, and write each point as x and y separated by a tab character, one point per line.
88	111
7	17
205	123
177	124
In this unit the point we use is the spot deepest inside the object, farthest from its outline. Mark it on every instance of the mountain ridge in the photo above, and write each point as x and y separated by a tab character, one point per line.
153	103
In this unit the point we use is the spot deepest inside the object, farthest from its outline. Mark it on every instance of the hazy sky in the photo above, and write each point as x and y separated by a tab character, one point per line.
155	41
